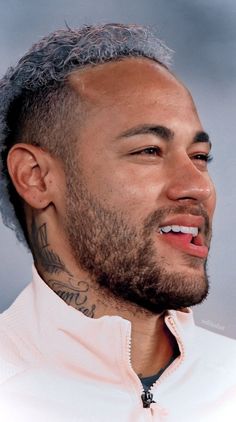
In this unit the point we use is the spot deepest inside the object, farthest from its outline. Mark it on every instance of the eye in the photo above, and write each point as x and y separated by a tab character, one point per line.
201	161
152	150
203	157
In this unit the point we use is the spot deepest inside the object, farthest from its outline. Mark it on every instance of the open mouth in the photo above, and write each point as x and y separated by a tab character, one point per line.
189	239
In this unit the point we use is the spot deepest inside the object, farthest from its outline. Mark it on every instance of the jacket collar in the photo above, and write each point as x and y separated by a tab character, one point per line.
60	334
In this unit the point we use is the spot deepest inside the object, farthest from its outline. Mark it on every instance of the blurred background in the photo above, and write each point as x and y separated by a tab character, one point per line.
203	35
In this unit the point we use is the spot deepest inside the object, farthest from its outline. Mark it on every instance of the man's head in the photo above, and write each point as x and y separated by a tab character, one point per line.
120	171
37	100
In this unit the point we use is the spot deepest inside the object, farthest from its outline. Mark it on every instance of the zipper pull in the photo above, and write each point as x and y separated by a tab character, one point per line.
147	399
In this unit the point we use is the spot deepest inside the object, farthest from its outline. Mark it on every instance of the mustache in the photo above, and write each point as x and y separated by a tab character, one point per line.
156	219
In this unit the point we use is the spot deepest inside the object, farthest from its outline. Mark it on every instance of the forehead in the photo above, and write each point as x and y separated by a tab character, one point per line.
132	90
114	78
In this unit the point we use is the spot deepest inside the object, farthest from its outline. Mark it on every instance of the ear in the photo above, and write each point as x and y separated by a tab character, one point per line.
31	172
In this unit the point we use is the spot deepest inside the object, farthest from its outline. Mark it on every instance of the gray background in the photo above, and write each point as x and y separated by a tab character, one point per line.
203	35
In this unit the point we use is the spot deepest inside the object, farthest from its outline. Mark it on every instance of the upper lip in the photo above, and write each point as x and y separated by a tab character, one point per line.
186	220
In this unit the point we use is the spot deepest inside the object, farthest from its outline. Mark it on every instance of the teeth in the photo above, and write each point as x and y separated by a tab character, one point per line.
166	229
176	229
182	229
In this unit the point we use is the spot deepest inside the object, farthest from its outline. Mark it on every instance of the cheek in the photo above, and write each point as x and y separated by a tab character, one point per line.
134	191
119	184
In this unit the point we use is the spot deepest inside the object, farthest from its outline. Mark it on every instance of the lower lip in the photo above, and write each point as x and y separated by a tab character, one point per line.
182	241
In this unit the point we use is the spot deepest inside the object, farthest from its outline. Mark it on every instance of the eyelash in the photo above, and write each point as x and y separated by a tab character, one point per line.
149	151
204	157
155	149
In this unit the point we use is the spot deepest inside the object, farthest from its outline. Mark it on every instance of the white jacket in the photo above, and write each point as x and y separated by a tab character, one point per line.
57	365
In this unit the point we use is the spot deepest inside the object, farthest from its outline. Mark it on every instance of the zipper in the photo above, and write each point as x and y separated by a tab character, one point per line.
147	395
147	399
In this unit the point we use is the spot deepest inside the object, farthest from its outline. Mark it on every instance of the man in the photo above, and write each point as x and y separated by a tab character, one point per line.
104	161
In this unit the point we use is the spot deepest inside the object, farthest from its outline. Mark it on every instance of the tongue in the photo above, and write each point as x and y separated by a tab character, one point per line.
187	243
183	237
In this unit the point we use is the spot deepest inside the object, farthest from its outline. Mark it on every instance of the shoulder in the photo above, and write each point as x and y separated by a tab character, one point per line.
10	359
218	353
16	342
213	341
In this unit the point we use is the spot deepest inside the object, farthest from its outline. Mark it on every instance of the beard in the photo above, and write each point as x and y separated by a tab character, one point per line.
124	261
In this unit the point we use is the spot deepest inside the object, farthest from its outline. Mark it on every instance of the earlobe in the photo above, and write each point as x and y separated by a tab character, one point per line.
28	167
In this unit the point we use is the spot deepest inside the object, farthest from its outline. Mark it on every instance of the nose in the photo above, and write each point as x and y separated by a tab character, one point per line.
187	183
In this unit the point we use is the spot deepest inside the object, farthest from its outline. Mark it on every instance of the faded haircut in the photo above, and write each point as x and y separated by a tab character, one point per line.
37	103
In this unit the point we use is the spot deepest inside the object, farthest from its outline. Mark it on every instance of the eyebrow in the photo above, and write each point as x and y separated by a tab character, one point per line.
202	137
161	132
157	130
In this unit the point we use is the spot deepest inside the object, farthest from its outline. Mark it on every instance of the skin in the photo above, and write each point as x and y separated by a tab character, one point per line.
120	96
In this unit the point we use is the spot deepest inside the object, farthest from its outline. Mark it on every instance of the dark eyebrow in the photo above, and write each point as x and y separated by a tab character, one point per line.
160	131
202	137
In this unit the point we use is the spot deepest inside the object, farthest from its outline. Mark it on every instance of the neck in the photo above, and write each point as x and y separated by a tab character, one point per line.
152	343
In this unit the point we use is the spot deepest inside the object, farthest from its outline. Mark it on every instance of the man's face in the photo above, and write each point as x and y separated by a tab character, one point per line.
139	197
